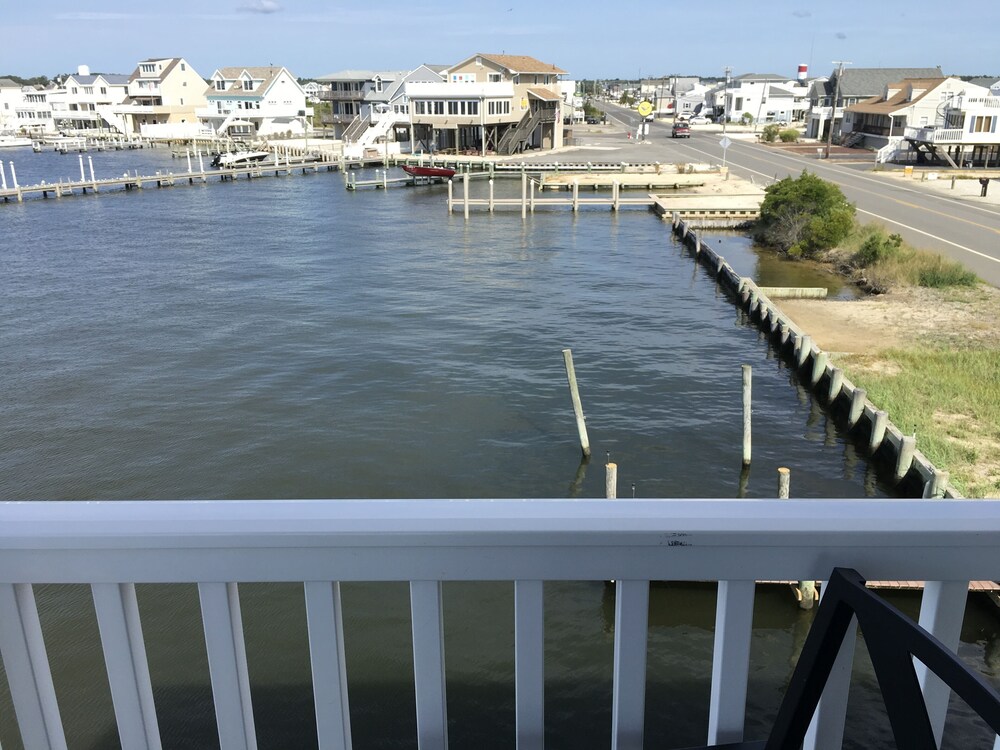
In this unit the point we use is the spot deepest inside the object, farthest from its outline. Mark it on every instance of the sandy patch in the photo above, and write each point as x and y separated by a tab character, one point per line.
901	318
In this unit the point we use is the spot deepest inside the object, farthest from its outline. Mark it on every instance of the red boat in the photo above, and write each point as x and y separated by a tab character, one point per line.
439	172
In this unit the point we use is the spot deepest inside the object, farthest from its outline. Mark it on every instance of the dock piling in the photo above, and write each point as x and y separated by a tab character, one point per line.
747	376
581	424
465	192
611	481
857	407
784	482
907	447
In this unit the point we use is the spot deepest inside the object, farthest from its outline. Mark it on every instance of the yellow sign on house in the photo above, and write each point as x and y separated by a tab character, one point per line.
645	108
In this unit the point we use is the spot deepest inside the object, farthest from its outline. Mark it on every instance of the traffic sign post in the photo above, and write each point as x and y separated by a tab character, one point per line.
725	143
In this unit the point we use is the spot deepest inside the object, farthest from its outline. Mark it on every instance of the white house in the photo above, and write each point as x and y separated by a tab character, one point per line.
765	97
255	102
32	111
944	120
87	102
10	97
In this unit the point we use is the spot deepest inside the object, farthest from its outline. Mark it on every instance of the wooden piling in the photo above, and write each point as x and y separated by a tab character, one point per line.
581	424
611	481
818	368
784	482
858	399
747	375
907	447
786	334
491	194
804	344
524	192
880	421
576	196
937	485
451	196
465	191
836	384
531	196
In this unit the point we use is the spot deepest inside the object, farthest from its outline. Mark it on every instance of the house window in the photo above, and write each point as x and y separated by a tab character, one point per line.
452	108
75	91
88	89
479	60
473	108
248	85
220	85
982	124
183	66
104	90
378	85
147	68
495	78
438	108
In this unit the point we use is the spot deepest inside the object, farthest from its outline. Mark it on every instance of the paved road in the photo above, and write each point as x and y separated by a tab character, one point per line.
966	231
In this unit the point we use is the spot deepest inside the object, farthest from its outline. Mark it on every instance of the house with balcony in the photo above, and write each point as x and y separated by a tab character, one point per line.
86	102
961	131
913	103
855	85
385	111
501	104
162	96
31	111
255	102
346	93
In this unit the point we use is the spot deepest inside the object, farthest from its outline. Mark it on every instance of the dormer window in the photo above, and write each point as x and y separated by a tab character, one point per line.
378	85
248	85
220	85
147	68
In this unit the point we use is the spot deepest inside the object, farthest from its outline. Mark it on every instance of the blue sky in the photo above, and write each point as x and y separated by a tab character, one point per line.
588	39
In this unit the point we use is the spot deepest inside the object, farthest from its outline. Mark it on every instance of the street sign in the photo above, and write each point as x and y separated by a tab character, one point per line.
645	108
725	142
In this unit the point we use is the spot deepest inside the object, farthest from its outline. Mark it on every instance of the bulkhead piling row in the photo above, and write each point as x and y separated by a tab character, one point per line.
843	399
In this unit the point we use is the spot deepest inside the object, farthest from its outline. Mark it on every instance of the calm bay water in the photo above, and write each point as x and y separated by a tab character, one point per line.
285	338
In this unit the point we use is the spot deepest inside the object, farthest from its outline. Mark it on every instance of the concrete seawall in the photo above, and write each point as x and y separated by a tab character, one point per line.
847	403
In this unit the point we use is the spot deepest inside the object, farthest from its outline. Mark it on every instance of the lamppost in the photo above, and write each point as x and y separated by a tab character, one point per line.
833	109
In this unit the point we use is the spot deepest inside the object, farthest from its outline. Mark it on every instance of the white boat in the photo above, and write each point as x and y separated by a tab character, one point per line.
9	140
238	158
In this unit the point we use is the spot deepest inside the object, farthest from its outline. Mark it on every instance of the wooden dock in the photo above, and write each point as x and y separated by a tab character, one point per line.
135	181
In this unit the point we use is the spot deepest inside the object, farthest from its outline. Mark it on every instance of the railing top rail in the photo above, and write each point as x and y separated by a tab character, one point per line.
373	540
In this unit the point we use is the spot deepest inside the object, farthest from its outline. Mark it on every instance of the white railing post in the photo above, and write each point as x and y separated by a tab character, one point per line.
529	664
328	664
128	670
629	702
227	663
942	610
730	661
826	730
27	667
428	664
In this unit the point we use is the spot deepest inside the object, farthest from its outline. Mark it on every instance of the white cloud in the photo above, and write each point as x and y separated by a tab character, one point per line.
260	6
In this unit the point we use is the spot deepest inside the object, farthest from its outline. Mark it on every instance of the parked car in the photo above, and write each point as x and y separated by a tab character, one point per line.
699	120
680	130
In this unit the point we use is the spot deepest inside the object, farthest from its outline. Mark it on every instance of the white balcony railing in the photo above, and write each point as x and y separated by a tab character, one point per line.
934	135
219	545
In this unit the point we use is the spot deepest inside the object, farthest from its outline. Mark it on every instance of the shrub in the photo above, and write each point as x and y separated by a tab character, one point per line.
746	118
804	215
789	135
878	247
940	272
770	133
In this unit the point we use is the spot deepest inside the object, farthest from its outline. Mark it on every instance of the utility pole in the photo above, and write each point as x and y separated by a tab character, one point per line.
725	102
833	109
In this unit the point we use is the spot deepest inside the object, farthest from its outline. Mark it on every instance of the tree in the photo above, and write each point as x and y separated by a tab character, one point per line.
804	215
